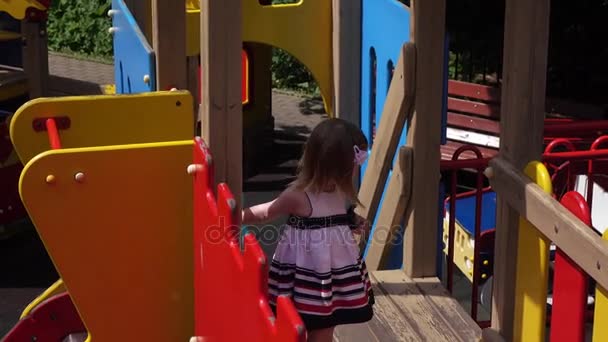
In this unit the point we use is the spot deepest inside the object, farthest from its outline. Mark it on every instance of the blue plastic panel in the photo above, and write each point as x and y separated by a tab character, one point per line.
133	56
385	28
465	212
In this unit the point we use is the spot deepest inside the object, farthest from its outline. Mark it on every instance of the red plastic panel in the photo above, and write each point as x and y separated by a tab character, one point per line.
52	320
570	284
244	79
230	284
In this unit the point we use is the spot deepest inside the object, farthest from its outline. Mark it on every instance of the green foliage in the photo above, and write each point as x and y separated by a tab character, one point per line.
80	26
289	73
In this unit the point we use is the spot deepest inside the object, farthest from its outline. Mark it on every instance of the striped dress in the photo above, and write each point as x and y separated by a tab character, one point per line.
318	264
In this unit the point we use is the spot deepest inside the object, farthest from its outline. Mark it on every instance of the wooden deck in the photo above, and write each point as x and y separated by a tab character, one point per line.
411	310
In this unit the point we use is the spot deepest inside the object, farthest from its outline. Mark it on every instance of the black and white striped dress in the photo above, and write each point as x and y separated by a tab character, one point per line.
318	264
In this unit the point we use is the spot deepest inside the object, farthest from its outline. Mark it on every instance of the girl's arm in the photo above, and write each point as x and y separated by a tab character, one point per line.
289	202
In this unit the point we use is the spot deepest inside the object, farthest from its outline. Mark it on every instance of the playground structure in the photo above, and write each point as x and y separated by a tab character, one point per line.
17	84
67	179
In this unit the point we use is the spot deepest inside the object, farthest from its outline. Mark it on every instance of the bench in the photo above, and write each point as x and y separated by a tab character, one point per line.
473	118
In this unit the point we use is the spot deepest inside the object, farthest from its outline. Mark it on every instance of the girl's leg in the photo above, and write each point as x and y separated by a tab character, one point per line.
321	335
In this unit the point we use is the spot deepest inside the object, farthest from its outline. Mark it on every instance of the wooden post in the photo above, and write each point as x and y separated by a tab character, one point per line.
347	59
221	105
424	135
169	43
36	57
521	134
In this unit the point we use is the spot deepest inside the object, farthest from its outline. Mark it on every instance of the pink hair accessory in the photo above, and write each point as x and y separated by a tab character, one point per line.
360	156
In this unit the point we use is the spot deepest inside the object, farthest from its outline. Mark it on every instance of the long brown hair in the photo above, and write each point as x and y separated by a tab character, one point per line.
328	158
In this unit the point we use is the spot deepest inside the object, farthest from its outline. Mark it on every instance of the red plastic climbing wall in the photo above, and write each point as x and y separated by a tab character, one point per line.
230	284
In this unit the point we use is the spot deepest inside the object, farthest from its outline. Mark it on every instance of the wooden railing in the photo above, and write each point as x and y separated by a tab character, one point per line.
581	253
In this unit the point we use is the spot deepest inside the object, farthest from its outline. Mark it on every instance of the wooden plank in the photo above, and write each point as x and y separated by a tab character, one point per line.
473	123
391	213
458	320
347	59
36	57
473	107
522	113
396	110
398	320
221	103
169	43
474	91
355	332
569	234
421	313
424	135
491	335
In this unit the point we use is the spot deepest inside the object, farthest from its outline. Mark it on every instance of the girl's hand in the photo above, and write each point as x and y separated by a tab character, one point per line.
363	225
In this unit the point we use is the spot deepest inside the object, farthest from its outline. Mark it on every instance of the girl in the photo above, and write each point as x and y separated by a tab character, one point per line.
317	261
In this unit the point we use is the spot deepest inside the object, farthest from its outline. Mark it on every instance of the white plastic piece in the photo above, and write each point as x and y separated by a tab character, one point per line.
112	30
173	89
146	79
79	177
194	168
489	172
112	12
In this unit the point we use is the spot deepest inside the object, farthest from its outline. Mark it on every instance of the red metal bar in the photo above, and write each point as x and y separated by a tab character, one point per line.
53	133
476	248
570	284
575	155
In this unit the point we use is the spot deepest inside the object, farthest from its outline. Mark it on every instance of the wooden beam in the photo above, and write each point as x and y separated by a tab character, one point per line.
424	135
391	214
587	249
221	105
397	109
347	59
522	114
169	43
36	57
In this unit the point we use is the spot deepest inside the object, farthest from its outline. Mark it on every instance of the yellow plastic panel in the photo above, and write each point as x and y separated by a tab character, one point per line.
303	29
532	275
464	251
103	120
600	328
55	289
18	8
121	237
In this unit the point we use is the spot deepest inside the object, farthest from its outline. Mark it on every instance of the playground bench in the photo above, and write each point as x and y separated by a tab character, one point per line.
473	118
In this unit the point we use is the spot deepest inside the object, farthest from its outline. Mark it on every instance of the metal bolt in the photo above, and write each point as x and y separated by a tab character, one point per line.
556	229
146	79
79	177
50	179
